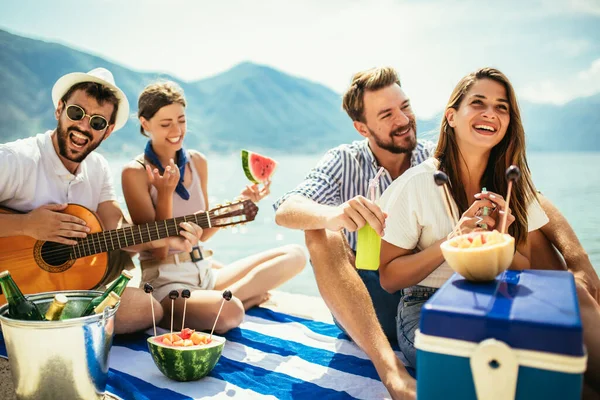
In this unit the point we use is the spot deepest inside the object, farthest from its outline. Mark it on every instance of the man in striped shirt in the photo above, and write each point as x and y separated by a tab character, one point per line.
334	197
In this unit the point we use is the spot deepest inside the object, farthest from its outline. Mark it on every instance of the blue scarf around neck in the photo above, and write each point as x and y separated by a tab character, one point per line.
181	160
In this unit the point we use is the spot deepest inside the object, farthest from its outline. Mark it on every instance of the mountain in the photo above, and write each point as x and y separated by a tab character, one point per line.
249	106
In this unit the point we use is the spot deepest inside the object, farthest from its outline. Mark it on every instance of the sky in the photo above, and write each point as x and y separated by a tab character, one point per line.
550	49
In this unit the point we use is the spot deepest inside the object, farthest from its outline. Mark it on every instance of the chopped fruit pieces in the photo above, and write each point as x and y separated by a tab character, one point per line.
477	239
197	338
186	338
186	333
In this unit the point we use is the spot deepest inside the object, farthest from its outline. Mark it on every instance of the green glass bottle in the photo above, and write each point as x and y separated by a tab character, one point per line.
118	287
19	307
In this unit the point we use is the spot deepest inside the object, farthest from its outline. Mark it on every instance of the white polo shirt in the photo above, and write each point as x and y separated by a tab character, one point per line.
32	175
417	216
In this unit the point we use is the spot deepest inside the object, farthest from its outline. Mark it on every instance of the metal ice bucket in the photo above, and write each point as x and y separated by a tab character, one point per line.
66	359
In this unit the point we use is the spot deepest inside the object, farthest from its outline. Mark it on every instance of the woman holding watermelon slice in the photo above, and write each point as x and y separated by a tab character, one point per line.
166	182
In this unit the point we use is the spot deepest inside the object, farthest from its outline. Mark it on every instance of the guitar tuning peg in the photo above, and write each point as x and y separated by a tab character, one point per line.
219	206
227	203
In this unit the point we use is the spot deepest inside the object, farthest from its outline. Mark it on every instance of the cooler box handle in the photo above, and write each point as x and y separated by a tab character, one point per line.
495	369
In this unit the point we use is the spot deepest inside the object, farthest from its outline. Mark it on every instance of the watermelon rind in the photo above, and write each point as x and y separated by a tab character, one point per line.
246	165
185	364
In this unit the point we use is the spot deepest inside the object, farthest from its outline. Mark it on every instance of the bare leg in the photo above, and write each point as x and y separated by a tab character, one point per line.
588	393
255	275
590	319
348	299
201	312
135	313
560	234
256	300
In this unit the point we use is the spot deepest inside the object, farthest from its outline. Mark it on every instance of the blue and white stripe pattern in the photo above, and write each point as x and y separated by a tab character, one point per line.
270	356
344	172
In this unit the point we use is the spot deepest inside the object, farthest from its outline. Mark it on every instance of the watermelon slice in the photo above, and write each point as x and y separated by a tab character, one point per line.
257	168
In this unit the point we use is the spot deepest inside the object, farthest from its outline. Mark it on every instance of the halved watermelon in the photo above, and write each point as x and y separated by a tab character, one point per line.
257	168
185	361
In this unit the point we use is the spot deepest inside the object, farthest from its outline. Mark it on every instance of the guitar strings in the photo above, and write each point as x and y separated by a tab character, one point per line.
99	239
66	253
200	218
122	237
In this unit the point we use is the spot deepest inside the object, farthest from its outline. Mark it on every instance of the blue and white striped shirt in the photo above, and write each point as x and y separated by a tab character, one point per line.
344	172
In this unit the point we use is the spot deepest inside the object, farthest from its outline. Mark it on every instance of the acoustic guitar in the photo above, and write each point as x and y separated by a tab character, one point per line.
42	266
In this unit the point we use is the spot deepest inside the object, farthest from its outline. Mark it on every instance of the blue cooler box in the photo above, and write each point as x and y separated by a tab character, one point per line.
518	337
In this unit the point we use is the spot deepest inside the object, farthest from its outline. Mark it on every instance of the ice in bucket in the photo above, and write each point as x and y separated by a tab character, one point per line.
66	359
368	244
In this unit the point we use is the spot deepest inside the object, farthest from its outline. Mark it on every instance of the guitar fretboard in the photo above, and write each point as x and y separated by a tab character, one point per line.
104	241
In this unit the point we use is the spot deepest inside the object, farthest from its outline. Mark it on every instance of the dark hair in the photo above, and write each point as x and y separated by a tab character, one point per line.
510	151
99	92
157	95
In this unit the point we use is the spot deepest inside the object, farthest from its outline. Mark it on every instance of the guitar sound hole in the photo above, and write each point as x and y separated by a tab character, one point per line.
55	254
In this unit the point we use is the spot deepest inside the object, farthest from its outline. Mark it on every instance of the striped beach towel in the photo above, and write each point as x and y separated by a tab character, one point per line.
270	356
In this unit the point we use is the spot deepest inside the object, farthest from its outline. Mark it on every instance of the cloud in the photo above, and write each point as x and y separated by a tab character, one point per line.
556	91
586	6
569	47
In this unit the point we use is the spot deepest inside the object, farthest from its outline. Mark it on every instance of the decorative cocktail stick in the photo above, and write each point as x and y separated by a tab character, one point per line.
149	289
485	211
441	179
226	296
173	294
185	293
513	173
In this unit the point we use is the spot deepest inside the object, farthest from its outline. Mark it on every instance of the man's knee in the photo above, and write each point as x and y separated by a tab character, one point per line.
321	239
315	239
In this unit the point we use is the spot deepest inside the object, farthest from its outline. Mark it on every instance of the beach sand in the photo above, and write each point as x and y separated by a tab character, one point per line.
294	304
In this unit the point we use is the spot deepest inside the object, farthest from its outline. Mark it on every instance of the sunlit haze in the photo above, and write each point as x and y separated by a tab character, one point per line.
549	49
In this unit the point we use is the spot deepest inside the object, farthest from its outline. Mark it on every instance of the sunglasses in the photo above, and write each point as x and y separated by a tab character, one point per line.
76	113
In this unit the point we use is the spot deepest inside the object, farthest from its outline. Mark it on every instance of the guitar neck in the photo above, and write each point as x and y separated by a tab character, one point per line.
104	241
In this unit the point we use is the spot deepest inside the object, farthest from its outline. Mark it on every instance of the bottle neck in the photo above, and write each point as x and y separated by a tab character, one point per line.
118	286
10	290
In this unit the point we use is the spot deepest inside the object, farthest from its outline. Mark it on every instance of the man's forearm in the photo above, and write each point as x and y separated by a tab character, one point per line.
559	232
298	212
12	224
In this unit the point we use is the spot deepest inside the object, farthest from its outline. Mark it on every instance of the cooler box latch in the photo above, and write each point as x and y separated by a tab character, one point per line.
495	369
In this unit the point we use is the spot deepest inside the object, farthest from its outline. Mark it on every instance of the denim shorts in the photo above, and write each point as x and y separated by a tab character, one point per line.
385	303
408	317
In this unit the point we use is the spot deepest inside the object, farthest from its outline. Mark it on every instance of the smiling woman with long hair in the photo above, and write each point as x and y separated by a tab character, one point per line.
168	181
481	135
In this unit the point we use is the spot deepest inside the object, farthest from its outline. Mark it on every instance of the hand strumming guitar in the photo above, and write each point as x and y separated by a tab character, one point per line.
46	223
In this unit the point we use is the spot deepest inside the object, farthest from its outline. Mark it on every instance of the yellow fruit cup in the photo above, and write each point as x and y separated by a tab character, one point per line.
479	256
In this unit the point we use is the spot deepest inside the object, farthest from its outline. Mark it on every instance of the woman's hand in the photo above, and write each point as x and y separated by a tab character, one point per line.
473	218
256	194
498	210
188	237
167	182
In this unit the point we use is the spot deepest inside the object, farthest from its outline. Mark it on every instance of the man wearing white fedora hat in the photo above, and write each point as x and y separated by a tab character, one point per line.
41	174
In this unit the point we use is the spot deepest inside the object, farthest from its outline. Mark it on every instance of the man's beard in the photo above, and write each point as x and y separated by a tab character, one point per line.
63	137
395	148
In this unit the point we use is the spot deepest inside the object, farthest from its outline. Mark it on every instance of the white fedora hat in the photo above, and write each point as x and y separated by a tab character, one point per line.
97	75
